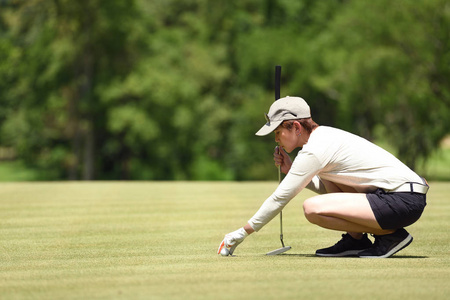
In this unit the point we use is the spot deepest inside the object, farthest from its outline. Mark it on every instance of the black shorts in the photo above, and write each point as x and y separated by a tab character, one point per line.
396	210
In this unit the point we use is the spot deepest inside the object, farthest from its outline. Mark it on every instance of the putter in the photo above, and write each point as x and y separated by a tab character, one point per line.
277	96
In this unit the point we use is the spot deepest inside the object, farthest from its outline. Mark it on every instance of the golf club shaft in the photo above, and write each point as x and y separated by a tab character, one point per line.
277	96
277	82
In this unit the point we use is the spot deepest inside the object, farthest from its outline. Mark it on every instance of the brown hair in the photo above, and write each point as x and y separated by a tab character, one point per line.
306	123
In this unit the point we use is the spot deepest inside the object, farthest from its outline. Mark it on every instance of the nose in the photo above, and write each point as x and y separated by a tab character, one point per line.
277	138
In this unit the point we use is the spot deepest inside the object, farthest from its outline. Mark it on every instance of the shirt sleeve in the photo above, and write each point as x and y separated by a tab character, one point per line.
303	170
316	185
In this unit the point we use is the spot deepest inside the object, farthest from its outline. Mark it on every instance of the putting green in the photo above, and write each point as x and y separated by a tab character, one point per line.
158	240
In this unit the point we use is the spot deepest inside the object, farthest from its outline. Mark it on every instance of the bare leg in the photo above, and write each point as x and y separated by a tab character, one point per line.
350	212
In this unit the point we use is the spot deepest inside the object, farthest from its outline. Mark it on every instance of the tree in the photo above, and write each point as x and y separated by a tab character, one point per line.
176	89
66	50
386	69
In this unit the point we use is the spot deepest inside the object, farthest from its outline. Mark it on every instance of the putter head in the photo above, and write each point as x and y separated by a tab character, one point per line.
279	251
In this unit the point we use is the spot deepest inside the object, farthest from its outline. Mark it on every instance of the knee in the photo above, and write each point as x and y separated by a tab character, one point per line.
311	209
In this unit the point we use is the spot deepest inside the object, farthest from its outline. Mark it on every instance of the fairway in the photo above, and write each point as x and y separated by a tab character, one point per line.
158	240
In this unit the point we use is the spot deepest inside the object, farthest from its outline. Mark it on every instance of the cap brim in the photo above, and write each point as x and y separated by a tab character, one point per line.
268	128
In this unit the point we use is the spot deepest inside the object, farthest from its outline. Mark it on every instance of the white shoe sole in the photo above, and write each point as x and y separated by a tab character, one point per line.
394	250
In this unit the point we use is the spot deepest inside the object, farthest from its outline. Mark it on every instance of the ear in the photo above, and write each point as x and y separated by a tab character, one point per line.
298	128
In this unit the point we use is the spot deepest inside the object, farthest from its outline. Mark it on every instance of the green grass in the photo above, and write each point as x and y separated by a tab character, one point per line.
437	166
158	240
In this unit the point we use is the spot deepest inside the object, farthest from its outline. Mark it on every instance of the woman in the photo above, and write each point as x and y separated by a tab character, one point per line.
363	188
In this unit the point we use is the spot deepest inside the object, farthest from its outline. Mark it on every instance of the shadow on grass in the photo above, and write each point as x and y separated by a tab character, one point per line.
408	256
295	254
322	257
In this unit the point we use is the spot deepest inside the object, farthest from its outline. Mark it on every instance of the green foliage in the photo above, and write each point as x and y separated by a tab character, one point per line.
176	89
391	73
18	171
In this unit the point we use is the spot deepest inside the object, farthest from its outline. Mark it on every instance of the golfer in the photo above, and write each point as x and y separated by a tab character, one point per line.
362	188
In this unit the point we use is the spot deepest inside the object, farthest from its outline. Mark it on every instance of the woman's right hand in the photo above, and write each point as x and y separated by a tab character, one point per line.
282	159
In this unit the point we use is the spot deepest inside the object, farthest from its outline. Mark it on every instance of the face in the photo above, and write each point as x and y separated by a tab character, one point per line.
286	138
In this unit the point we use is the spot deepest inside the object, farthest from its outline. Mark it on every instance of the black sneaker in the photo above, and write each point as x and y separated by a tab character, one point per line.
387	245
347	246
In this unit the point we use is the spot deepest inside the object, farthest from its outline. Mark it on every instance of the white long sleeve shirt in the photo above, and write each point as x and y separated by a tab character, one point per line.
342	158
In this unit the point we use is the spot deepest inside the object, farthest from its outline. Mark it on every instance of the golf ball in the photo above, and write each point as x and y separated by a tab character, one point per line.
224	251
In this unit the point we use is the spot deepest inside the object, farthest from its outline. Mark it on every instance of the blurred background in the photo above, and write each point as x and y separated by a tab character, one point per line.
176	89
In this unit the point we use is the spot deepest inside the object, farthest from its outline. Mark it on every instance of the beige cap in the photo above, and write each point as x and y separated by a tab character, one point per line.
287	108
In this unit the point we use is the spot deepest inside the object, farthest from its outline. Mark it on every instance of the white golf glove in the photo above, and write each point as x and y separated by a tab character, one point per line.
232	240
